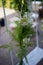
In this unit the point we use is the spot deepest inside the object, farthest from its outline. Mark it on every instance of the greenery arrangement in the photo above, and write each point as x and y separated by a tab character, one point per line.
21	34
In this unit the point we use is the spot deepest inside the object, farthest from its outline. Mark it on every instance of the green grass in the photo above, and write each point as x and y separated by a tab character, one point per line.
0	3
7	3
